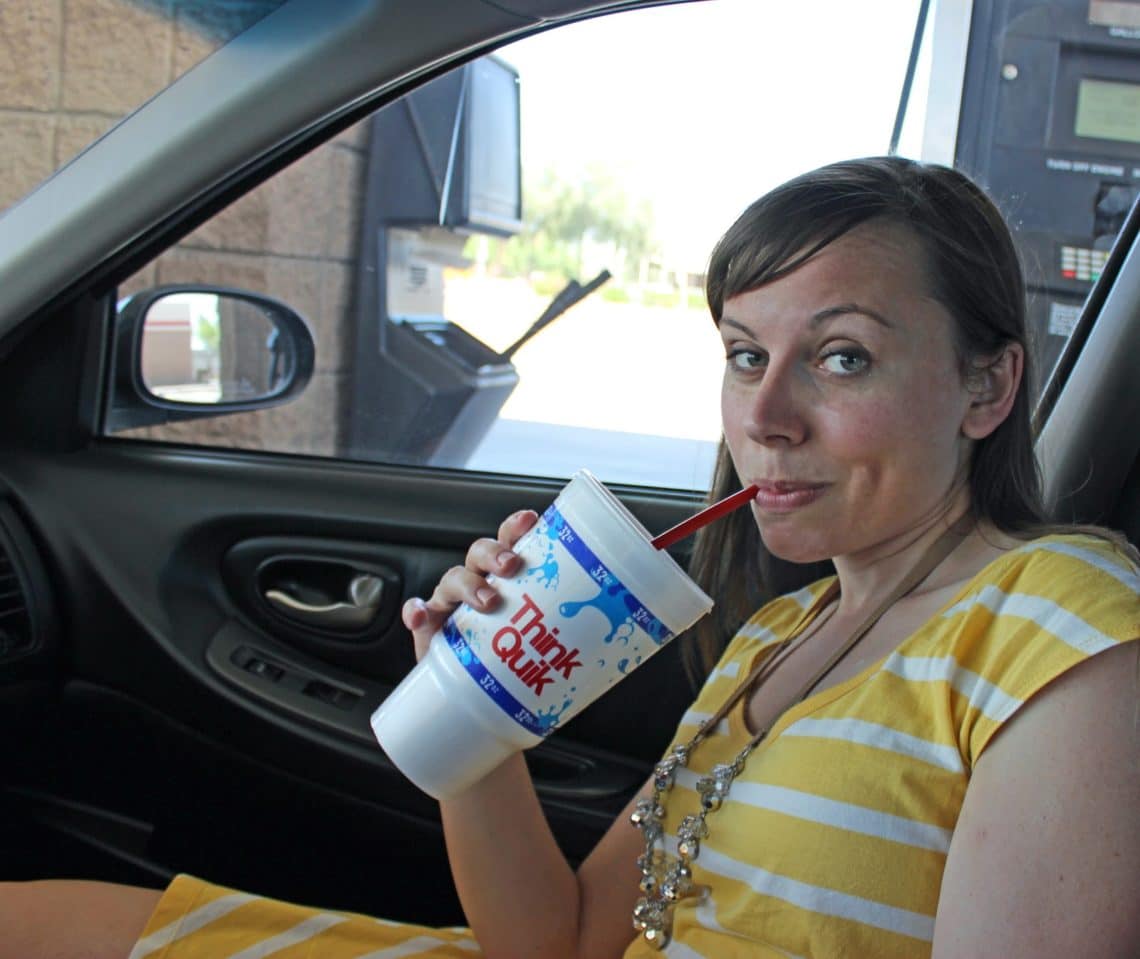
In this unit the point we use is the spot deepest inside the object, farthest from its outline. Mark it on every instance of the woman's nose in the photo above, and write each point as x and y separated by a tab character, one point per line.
776	412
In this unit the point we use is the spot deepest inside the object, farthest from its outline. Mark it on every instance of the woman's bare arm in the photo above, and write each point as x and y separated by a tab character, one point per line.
519	894
1045	860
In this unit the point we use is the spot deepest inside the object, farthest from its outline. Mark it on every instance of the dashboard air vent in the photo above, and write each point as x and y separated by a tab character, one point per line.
25	612
15	624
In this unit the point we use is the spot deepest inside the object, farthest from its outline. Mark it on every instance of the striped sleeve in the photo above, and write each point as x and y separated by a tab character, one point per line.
1050	605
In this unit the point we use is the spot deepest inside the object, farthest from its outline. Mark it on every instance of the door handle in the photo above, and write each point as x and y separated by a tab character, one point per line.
365	595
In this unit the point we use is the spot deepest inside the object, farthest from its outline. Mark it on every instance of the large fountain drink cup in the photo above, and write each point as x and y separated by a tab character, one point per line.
592	600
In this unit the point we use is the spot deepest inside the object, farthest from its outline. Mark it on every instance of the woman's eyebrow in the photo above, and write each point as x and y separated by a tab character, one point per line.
729	321
845	308
829	313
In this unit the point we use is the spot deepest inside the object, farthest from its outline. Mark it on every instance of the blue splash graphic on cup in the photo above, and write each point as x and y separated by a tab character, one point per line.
614	603
622	609
521	658
551	524
548	718
613	600
472	640
546	572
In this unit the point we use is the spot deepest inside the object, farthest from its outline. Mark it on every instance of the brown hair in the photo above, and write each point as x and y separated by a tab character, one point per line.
973	271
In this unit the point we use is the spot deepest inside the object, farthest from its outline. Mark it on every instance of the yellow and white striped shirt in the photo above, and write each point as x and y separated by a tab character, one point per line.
832	841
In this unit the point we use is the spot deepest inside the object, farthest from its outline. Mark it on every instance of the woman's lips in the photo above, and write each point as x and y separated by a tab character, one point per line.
785	497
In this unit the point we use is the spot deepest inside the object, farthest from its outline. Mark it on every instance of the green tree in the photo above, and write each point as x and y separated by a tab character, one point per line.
563	216
207	329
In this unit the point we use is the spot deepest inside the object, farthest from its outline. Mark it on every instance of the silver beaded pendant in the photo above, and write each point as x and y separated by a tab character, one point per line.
665	879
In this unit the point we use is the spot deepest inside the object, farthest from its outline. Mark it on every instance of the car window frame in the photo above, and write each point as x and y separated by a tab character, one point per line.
89	263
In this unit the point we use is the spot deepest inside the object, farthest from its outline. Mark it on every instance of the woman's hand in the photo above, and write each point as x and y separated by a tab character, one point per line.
468	583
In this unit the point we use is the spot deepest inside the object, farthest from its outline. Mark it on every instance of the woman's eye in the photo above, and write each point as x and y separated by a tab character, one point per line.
845	362
745	359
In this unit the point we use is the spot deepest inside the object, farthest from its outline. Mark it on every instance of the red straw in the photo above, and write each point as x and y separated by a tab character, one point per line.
703	518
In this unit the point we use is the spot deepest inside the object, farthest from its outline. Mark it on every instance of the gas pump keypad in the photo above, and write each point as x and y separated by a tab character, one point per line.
1081	262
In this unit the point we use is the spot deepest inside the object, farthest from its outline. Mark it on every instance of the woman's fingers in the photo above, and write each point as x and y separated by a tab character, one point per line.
463	584
468	583
487	556
422	623
515	525
490	557
458	585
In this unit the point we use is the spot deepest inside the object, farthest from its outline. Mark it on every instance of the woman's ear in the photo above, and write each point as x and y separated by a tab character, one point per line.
992	385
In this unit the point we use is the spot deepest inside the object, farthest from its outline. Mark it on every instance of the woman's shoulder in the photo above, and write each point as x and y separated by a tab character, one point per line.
1030	616
1038	610
1083	546
1081	572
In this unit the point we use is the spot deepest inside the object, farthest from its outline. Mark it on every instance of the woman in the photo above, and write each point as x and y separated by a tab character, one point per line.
934	752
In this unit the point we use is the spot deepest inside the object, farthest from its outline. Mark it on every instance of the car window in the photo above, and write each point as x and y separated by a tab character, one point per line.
433	247
70	71
633	167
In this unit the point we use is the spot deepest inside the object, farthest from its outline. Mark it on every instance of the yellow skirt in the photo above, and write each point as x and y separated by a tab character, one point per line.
198	920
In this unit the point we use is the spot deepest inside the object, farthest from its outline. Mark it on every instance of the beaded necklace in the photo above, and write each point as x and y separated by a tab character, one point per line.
666	879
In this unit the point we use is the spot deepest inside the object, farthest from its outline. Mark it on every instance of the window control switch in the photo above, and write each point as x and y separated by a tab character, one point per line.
267	670
333	695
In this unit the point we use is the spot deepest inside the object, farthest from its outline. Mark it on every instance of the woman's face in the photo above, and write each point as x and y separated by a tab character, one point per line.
843	399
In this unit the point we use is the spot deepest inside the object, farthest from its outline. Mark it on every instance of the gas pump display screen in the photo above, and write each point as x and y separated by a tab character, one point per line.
1115	13
1108	111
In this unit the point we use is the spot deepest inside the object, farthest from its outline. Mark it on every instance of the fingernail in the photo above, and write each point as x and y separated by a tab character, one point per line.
414	610
506	559
486	596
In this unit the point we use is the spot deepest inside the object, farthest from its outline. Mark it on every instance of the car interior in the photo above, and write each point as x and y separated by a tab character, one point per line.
199	611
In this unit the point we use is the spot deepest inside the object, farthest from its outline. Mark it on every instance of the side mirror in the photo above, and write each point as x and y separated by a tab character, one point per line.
186	352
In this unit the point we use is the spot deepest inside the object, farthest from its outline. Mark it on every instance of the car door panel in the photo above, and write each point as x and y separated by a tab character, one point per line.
159	679
101	759
161	750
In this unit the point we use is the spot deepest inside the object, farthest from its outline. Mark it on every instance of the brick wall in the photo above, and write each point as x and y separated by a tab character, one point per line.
69	69
293	238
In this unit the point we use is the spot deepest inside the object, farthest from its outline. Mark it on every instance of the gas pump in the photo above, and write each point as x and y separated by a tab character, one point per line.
444	164
1050	125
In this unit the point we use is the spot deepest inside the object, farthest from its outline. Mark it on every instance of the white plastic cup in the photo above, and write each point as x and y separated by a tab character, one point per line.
593	599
